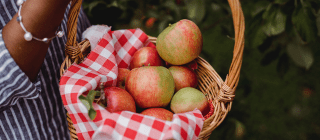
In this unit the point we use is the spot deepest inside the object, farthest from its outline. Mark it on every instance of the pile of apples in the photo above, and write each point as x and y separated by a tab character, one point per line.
161	81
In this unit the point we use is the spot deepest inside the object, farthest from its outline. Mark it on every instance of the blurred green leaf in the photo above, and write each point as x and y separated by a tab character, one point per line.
318	22
283	65
88	103
92	5
265	45
305	23
170	4
239	128
153	13
168	19
163	25
173	7
280	1
258	7
84	101
256	34
114	4
215	7
91	96
275	20
92	113
300	54
258	37
270	56
196	10
135	23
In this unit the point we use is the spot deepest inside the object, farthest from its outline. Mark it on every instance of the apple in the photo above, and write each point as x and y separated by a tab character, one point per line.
118	99
180	43
145	56
183	77
187	99
192	65
159	113
150	86
122	75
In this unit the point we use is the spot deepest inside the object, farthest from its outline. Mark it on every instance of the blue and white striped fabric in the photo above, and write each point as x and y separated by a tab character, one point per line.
33	110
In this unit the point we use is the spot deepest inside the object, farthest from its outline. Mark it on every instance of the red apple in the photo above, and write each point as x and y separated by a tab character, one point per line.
118	99
150	86
145	56
122	75
180	43
159	113
192	65
183	77
187	99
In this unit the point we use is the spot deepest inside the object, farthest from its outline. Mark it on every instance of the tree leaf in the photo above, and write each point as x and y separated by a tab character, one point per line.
255	31
270	56
258	7
318	22
303	21
215	7
300	54
280	1
173	7
163	25
275	20
283	65
93	5
170	4
196	10
265	45
113	4
239	128
153	13
136	23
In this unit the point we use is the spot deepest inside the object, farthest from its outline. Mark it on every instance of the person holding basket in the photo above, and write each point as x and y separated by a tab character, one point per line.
32	44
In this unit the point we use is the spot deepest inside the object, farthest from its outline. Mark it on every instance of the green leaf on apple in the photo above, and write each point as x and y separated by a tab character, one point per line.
84	101
88	103
92	113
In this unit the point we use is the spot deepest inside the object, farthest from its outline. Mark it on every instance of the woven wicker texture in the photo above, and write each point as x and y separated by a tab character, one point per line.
221	93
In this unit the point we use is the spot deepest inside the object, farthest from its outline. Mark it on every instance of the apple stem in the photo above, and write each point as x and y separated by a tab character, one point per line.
169	24
102	95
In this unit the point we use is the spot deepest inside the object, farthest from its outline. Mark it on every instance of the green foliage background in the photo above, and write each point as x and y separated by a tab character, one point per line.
278	93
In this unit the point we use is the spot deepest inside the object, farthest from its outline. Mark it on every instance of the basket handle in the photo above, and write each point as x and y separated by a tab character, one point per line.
72	22
229	86
73	50
239	28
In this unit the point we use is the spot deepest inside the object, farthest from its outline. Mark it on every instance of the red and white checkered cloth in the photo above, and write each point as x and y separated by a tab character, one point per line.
113	50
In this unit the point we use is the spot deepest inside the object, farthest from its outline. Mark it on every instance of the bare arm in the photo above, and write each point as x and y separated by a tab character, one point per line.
40	17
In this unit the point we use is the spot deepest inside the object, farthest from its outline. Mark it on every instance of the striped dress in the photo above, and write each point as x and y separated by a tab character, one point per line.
33	110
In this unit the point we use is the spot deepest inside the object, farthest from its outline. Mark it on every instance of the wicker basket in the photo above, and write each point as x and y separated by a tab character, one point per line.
221	93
